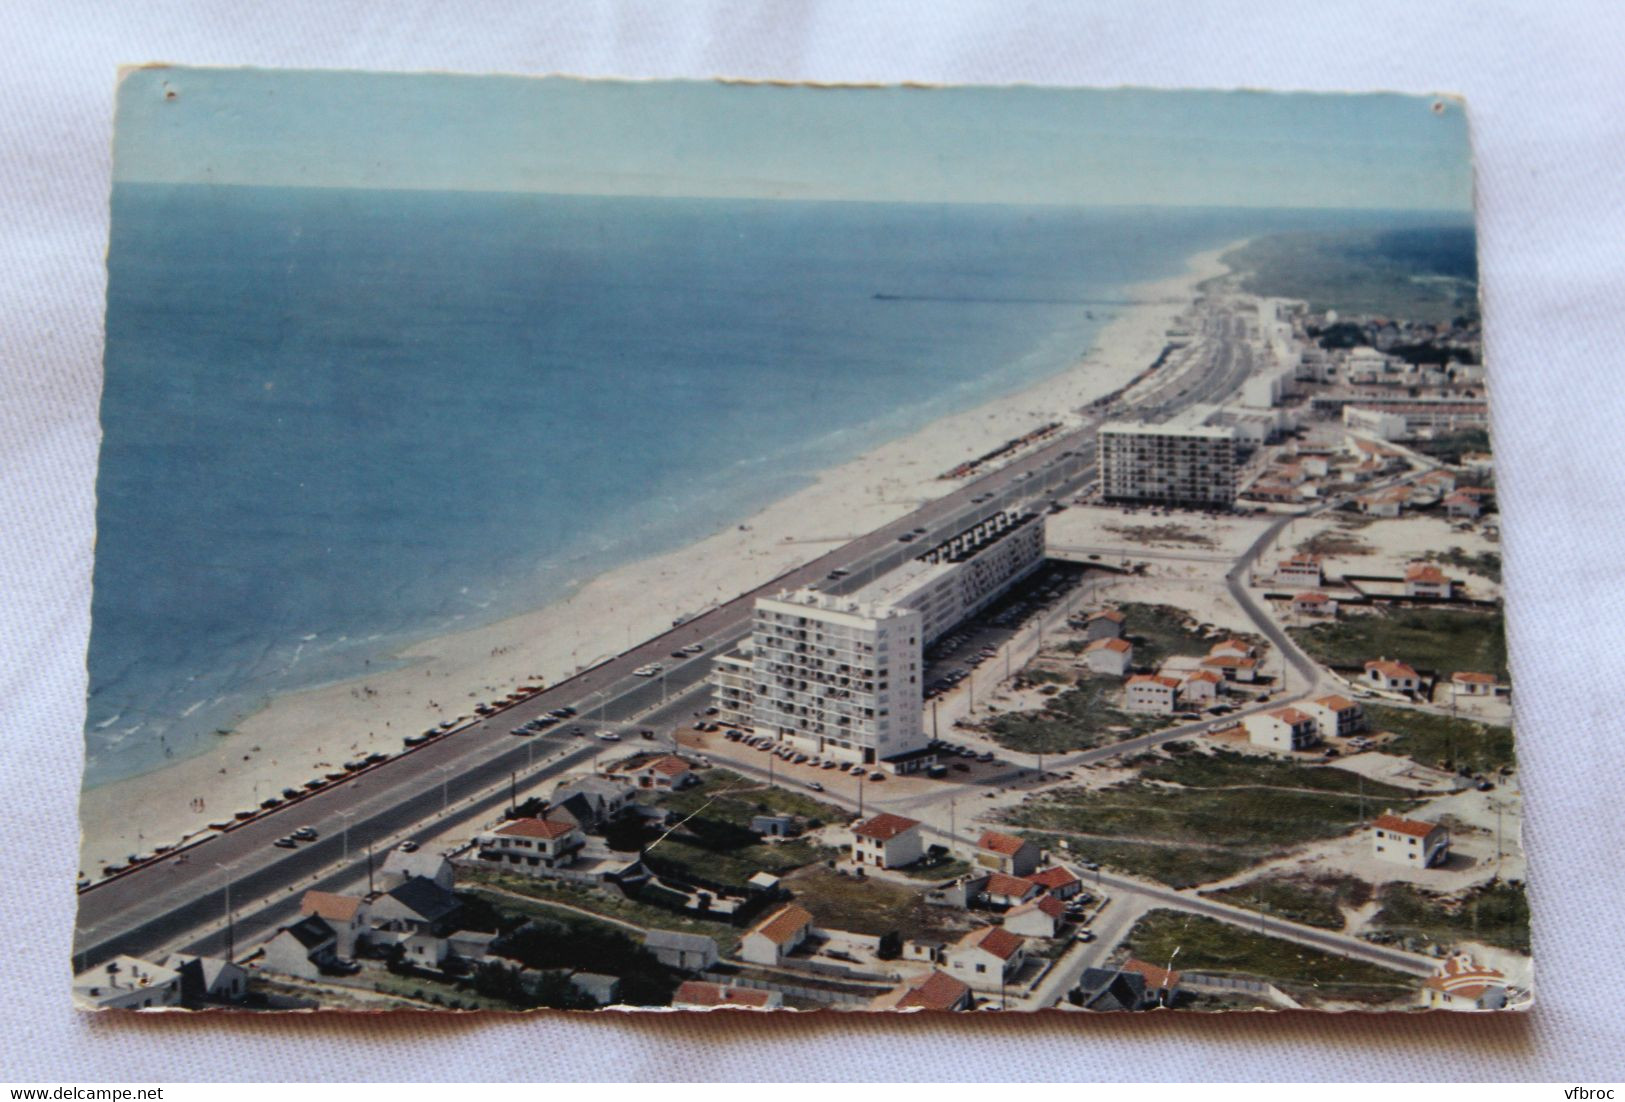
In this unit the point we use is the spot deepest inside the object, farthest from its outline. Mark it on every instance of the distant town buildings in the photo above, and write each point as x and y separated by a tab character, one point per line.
1426	580
1464	683
1188	466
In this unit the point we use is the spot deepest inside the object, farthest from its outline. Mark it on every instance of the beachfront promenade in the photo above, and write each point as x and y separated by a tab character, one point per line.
168	901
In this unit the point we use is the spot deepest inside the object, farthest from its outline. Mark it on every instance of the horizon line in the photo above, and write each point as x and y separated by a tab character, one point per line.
1468	212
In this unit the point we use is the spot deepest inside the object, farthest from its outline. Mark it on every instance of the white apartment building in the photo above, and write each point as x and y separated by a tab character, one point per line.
838	677
842	676
1189	465
731	679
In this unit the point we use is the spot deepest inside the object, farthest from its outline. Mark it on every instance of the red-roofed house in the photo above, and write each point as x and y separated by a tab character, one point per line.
702	995
1463	683
939	991
1234	648
1057	881
1105	624
531	845
346	914
1233	666
1460	984
1463	505
1336	716
1409	842
667	772
1004	890
1395	677
887	841
1007	853
776	936
1145	692
1200	687
1314	603
1041	917
1426	580
1161	985
1284	730
987	958
1111	657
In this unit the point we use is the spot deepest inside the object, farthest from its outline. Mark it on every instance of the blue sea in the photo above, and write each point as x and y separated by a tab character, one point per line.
338	421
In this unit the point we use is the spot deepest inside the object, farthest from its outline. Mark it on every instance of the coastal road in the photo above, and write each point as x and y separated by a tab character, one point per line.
159	903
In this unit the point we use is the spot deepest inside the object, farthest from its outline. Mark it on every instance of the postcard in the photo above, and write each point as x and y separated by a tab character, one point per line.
713	545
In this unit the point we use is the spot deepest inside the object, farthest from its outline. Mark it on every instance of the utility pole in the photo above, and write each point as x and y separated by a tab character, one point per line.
445	777
860	795
934	735
513	791
369	869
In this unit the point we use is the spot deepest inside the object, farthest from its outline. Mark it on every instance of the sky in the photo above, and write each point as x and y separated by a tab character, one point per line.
1017	144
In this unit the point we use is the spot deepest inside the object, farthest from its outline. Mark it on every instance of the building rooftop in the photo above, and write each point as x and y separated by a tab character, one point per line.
1007	844
939	991
885	826
1396	824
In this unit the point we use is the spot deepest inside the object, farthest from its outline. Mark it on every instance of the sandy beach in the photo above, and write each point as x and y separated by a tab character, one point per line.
301	734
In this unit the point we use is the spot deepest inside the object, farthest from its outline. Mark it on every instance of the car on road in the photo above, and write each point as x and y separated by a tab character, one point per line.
609	736
579	732
409	846
985	756
906	537
693	648
1086	936
1092	866
831	764
815	786
285	843
526	730
679	655
856	770
877	776
305	834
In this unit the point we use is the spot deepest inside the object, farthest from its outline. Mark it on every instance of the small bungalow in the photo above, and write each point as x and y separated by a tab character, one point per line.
304	949
1007	853
701	995
987	958
777	936
1282	730
938	991
1394	677
1110	657
1314	603
1004	890
1464	683
1057	881
1300	569
1426	580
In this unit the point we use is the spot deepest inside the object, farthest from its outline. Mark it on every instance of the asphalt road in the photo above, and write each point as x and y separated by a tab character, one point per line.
163	901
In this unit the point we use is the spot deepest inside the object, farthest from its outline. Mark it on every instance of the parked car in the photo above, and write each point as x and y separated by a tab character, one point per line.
815	786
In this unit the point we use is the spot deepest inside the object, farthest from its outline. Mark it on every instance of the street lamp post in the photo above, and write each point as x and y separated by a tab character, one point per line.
445	778
346	816
231	928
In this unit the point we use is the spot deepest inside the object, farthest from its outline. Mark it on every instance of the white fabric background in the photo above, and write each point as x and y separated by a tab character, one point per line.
1544	84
